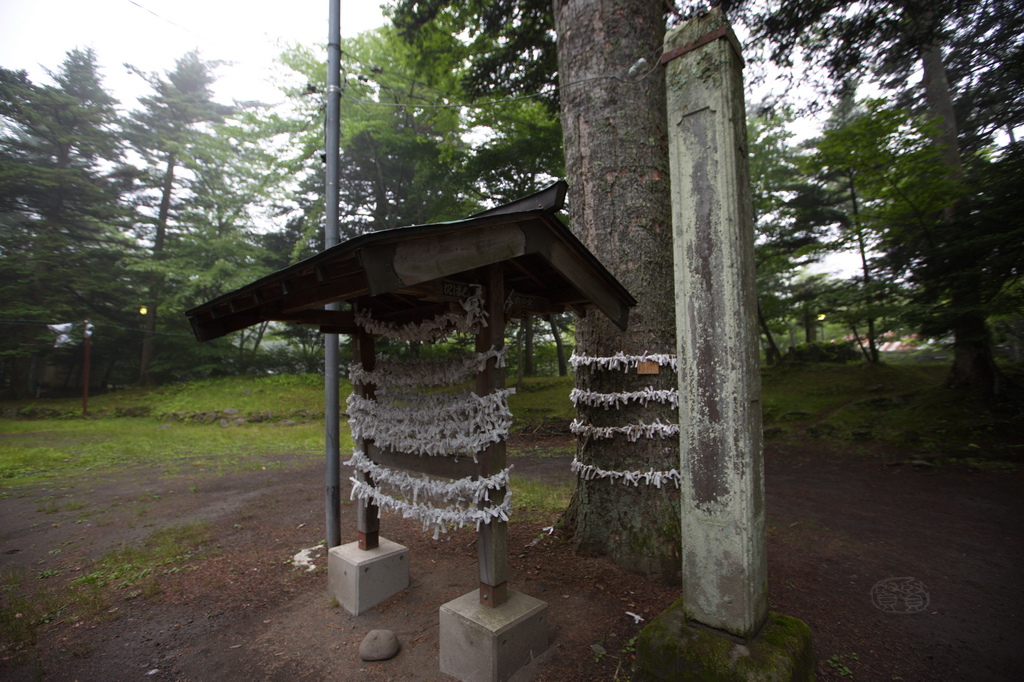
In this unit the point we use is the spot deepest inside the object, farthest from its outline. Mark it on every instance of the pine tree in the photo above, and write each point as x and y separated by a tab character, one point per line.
167	133
61	182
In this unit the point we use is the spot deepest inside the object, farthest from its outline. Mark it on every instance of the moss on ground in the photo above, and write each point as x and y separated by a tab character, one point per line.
670	648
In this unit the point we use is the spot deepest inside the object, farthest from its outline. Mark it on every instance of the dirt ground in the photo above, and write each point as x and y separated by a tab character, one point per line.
841	529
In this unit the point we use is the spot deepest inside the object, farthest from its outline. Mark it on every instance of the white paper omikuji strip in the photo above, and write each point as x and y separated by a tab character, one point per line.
432	424
473	320
617	400
633	431
622	361
651	477
460	489
391	373
438	518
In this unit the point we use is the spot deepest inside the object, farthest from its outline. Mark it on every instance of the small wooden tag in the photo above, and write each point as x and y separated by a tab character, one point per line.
647	367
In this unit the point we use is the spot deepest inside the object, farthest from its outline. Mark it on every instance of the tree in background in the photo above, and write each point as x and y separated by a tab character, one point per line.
788	236
966	52
62	177
402	154
167	133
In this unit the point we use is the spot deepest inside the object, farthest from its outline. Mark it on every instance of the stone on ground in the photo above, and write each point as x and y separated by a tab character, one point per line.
379	645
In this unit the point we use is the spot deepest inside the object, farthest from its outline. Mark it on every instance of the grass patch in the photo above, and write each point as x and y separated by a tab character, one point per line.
39	450
901	405
283	393
540	400
131	565
127	572
537	501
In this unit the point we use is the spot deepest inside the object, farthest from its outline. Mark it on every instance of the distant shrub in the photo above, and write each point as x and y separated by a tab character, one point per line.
839	352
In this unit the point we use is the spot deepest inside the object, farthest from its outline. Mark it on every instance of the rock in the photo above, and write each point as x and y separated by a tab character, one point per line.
239	422
231	410
224	423
378	645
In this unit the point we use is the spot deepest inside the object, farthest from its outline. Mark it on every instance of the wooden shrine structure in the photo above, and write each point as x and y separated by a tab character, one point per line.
520	256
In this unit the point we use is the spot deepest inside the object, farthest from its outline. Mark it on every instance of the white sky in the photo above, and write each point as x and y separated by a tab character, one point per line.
151	35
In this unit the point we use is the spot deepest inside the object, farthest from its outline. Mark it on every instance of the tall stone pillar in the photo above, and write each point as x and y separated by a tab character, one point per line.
720	629
724	571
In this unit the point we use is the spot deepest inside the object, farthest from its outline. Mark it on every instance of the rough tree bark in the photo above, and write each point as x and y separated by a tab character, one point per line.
973	361
616	154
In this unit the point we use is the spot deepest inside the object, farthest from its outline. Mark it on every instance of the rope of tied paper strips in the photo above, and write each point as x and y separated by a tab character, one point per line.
645	397
405	418
437	425
622	361
589	472
389	373
633	432
473	319
458	492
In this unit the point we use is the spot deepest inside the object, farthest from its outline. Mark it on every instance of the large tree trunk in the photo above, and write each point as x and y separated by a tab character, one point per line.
156	291
616	154
529	366
973	364
563	367
772	356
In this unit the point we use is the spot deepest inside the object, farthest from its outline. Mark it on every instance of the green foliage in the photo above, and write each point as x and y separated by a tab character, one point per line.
538	501
886	40
62	178
786	240
542	399
856	406
35	450
511	47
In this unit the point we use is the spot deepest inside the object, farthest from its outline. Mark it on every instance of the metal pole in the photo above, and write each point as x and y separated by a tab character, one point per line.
85	371
331	238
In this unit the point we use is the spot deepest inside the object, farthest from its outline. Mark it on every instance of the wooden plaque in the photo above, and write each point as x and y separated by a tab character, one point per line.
647	367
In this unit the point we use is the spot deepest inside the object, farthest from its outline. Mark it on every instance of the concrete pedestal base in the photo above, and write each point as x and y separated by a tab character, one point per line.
362	578
482	643
671	649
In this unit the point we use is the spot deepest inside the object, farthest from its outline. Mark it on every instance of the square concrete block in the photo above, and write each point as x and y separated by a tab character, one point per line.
362	578
490	644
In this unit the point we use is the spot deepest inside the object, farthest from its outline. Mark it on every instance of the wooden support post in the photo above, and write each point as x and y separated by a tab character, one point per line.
367	516
492	539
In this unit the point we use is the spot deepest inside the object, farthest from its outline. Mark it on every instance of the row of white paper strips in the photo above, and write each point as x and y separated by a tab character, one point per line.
459	490
390	373
433	424
438	518
632	431
645	397
622	361
589	472
472	320
438	425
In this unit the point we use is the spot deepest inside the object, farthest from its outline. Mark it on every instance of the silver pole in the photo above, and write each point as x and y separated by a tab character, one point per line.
331	238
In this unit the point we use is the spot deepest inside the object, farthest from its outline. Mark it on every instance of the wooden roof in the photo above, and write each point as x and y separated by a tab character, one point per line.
414	273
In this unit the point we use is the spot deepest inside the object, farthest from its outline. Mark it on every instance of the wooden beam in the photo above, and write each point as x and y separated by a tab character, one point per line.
367	514
393	266
492	539
303	295
447	467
